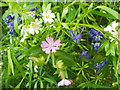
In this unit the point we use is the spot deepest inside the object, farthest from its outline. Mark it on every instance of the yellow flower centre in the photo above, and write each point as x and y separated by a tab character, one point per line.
47	16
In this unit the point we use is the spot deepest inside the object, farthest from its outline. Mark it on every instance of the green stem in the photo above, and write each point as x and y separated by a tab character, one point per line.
53	61
47	59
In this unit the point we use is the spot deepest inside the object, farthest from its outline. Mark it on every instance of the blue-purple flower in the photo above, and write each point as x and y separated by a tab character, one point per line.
10	23
96	46
77	37
85	54
96	35
99	66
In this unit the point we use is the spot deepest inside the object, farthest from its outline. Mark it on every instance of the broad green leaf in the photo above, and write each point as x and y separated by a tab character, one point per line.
66	58
109	10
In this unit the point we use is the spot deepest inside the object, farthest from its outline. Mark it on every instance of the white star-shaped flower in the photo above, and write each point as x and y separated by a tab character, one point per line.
48	16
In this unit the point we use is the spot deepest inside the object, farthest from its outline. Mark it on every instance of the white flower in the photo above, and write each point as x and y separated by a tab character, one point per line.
48	16
35	27
65	82
24	33
112	29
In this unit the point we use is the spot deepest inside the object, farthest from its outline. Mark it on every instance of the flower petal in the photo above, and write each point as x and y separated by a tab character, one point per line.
49	40
57	43
44	44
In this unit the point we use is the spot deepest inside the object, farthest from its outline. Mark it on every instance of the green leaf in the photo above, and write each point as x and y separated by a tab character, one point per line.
33	51
30	6
66	58
109	10
103	14
18	86
65	11
49	80
16	21
27	17
107	46
3	4
71	15
48	7
7	12
93	85
10	63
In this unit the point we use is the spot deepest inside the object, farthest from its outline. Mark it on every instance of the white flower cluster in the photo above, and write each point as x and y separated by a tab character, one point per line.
112	29
34	27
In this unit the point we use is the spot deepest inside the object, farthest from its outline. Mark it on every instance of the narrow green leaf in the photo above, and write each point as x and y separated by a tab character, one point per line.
65	11
48	7
18	86
49	80
103	14
30	6
93	86
16	21
3	4
109	10
10	63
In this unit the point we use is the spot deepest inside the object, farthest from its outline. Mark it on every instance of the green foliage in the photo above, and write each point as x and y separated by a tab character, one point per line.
41	71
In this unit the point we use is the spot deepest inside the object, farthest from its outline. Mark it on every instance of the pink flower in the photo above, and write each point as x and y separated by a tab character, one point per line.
65	82
50	45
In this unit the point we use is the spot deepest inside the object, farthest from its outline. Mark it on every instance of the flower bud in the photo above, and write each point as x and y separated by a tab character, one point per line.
37	61
59	64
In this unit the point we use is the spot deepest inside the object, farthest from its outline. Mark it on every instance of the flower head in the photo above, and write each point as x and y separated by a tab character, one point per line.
65	82
48	16
98	66
112	29
35	27
77	37
50	45
96	36
96	46
85	54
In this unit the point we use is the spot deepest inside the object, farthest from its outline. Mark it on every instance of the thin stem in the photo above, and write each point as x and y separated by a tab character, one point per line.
53	61
47	59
